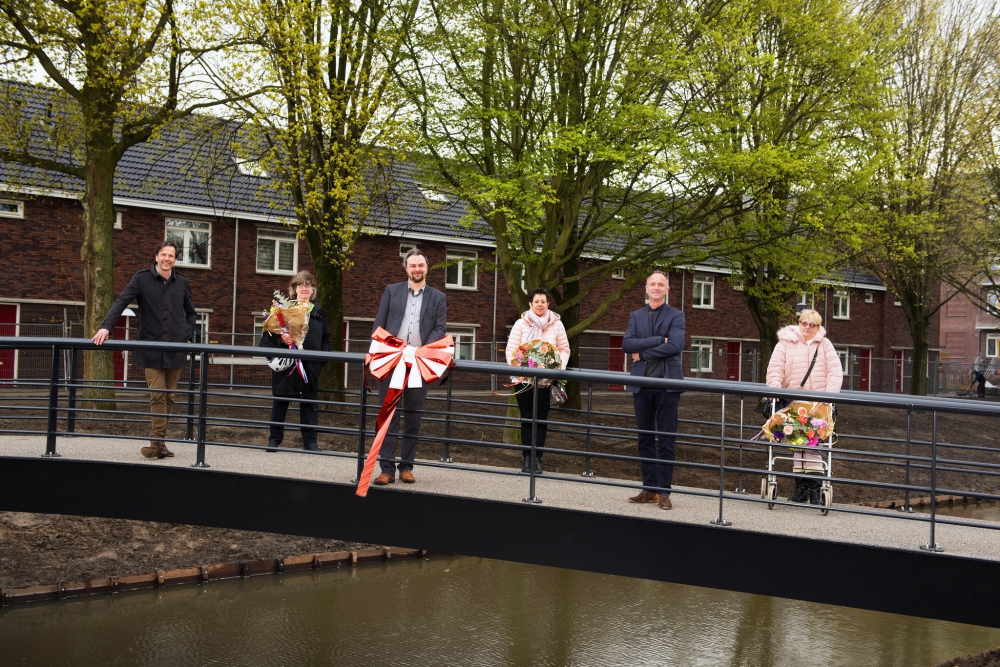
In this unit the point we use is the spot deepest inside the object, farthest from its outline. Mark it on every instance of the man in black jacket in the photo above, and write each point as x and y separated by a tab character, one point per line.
417	313
166	313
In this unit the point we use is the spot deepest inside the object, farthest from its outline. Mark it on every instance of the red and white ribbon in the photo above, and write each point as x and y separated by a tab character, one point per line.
386	352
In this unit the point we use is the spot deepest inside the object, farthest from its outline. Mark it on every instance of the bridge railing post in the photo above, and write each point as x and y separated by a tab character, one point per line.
50	434
590	409
362	422
447	425
721	521
71	414
189	433
202	409
906	495
532	498
932	545
739	477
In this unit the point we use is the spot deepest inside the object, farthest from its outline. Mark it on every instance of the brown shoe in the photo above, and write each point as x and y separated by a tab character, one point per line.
406	477
384	479
644	497
164	452
150	452
664	502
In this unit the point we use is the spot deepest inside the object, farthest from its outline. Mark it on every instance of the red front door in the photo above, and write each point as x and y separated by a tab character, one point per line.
616	360
897	371
733	361
864	368
8	327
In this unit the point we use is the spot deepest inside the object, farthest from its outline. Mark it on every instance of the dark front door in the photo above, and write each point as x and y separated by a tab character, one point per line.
864	369
897	371
616	360
733	361
8	327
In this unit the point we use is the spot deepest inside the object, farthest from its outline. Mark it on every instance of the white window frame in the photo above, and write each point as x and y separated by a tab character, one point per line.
841	304
698	346
992	338
869	296
845	354
252	168
118	220
434	196
201	326
19	213
698	288
463	336
183	253
618	274
258	327
456	259
405	248
737	284
278	236
805	300
896	301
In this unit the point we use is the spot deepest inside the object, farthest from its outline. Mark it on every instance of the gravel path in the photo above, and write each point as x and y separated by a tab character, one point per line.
600	495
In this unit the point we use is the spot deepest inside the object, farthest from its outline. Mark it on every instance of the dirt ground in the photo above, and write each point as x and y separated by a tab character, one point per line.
45	549
987	659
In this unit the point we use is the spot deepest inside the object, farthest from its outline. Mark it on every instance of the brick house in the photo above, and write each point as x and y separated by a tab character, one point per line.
237	247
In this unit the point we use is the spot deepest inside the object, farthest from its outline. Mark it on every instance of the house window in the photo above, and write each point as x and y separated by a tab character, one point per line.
841	304
465	342
737	283
250	168
277	251
11	209
201	328
405	248
991	345
844	355
805	300
193	240
703	292
701	356
434	195
258	328
461	270
869	297
118	220
897	302
618	274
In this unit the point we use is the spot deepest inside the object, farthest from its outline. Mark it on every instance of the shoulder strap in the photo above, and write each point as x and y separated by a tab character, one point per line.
810	370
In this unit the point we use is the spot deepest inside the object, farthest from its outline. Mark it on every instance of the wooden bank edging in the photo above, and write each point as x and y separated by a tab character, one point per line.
192	575
923	501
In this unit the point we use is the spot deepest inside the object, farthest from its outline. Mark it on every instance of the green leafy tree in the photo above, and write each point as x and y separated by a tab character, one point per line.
331	127
122	72
928	222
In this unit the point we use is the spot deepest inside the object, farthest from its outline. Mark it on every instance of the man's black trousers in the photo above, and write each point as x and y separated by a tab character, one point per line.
656	410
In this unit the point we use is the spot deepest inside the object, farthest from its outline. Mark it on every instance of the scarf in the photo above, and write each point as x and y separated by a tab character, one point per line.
538	324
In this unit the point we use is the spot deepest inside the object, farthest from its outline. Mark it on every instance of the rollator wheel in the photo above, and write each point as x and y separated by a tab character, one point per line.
772	494
825	500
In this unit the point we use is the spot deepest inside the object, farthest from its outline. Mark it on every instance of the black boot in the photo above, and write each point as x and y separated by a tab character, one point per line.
538	465
526	466
801	494
814	487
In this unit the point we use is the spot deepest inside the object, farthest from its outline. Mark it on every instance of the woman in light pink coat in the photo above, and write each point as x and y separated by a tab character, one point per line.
797	345
537	323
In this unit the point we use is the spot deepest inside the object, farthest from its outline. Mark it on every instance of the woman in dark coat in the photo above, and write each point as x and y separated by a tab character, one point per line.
288	386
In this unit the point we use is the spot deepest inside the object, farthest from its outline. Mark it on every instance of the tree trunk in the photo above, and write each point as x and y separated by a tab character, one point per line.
330	288
97	255
768	321
918	379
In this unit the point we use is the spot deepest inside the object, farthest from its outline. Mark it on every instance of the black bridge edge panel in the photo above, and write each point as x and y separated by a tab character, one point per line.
936	586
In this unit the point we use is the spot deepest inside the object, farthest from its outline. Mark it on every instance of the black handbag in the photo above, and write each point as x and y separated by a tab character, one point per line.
782	403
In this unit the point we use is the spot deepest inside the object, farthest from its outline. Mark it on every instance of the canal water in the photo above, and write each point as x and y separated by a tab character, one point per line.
467	611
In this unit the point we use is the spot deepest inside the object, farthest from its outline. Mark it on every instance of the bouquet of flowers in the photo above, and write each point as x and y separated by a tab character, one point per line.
801	424
536	354
287	317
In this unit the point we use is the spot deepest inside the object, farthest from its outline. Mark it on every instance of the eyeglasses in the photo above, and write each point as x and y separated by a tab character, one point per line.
808	324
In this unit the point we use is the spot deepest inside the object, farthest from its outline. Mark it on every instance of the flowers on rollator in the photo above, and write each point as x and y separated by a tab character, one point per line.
801	424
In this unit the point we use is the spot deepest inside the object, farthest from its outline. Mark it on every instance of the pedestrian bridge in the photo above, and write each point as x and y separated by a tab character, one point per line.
720	538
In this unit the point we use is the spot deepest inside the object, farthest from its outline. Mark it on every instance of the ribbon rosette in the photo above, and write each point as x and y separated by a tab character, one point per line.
384	357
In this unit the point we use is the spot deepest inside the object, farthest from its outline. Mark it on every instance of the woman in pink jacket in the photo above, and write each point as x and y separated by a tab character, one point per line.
790	361
537	323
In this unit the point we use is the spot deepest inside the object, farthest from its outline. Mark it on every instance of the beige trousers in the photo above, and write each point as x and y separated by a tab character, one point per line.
162	382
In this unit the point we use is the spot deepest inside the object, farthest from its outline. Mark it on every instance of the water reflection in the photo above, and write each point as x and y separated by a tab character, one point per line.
985	511
467	611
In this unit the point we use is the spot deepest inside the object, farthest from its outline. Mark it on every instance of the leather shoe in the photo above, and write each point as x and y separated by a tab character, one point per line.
164	452
645	497
526	466
664	502
150	452
406	477
384	479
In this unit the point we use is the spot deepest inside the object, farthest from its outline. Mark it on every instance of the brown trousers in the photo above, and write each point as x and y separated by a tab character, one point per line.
162	382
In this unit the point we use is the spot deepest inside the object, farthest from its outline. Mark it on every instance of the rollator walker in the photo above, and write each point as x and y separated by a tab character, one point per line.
769	484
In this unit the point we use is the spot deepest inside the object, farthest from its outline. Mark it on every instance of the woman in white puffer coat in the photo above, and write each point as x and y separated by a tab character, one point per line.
797	345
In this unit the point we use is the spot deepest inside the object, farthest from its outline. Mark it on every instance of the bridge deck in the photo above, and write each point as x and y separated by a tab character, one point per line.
568	492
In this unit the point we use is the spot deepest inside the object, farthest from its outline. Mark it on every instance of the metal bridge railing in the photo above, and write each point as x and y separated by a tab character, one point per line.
908	457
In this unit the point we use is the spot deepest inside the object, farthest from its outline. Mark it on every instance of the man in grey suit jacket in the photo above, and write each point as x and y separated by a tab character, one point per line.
417	313
655	339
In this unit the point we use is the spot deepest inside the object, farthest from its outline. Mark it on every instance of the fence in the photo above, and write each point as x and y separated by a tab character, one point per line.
913	446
